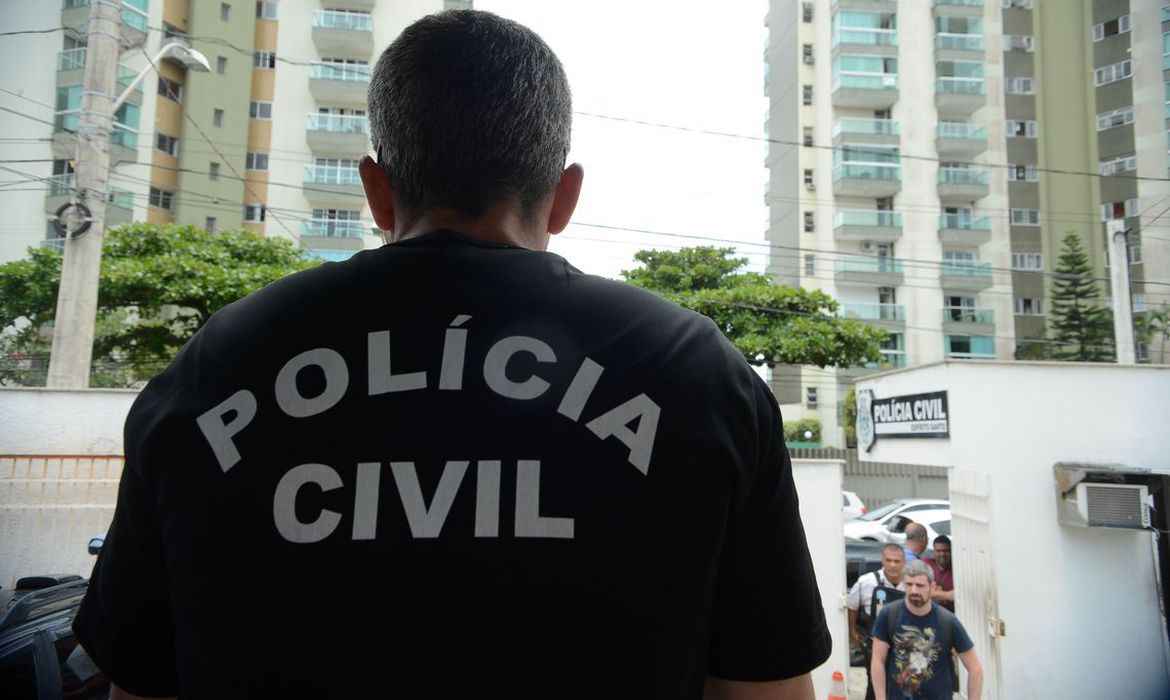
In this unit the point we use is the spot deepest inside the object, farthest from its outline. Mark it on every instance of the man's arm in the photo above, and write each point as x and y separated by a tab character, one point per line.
877	668
939	594
799	688
974	674
854	635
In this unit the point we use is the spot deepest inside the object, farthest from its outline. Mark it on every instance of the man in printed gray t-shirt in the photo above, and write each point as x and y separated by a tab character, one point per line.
456	466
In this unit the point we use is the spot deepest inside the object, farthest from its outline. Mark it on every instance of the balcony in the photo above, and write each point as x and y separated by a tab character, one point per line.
326	184
863	180
135	13
339	83
865	91
891	359
871	41
958	47
349	34
962	230
960	140
123	139
337	134
969	347
867	225
891	316
119	206
962	320
958	8
962	184
71	71
959	95
334	234
884	132
966	276
363	5
882	6
880	271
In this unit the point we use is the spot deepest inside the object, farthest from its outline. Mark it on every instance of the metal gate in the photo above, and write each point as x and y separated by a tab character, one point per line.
976	603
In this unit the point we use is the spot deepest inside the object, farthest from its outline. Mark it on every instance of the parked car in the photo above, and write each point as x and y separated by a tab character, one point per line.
872	525
39	656
937	522
851	505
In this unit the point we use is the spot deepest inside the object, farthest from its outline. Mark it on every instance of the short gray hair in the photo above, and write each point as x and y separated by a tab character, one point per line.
916	532
918	568
891	547
468	109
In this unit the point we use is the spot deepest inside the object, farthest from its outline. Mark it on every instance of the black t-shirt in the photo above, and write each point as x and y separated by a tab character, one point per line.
457	468
918	664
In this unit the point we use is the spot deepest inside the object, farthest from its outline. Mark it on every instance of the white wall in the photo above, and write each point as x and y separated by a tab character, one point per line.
818	484
1080	607
51	505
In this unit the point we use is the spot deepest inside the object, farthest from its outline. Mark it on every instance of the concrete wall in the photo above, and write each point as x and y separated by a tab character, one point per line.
1074	601
51	504
818	484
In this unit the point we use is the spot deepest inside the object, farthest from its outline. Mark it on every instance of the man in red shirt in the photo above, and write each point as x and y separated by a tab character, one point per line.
943	591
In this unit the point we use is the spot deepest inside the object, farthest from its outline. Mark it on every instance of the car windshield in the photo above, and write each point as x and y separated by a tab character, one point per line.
880	512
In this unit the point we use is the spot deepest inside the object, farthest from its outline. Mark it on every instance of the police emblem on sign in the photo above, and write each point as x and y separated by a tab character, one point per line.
865	431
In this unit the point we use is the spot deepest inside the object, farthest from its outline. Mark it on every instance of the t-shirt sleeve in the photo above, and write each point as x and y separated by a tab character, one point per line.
125	621
881	626
768	621
962	640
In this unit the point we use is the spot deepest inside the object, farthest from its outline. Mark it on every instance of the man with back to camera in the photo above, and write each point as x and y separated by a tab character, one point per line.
455	465
912	643
916	540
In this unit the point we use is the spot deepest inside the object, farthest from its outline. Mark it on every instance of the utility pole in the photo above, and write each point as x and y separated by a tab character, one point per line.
73	327
1119	280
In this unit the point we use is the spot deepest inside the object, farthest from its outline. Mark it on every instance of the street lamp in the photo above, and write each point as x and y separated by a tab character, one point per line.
189	57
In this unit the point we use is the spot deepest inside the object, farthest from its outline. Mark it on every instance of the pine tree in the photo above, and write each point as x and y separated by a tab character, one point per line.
1082	326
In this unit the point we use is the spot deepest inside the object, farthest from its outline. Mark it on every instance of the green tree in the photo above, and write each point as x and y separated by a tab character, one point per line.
1082	326
1154	323
849	417
158	285
770	324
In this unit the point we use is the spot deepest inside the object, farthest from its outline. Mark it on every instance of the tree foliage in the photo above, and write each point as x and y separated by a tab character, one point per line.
770	324
1082	326
158	285
1151	324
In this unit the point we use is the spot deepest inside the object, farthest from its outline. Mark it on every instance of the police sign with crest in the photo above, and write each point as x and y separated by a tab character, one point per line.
909	416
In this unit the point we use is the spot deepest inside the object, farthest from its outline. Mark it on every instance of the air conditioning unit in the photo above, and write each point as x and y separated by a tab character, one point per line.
1124	506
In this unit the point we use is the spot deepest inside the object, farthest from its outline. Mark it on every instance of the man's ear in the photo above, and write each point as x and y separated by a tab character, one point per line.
378	193
565	198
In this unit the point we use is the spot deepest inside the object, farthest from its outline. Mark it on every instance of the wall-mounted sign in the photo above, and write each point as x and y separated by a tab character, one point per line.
909	416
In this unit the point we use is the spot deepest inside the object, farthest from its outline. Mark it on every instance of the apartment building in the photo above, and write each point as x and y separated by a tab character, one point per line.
268	139
923	195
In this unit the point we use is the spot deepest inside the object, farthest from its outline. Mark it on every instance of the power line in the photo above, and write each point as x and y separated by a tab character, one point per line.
25	32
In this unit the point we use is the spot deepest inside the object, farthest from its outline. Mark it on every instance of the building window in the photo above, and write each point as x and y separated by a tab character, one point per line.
217	117
1112	73
1027	262
1134	251
1019	42
1023	173
808	136
225	12
264	59
807	52
266	9
1028	306
221	64
213	171
254	213
808	179
167	144
170	89
806	11
810	396
260	110
162	199
1021	128
1025	217
1022	4
211	224
807	95
1119	210
810	264
256	161
1114	118
1122	164
809	222
1111	28
1020	86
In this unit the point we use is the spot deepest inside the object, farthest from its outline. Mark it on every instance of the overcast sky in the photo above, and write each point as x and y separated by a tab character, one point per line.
681	63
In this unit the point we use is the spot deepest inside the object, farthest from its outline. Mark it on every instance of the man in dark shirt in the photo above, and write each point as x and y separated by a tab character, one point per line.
944	579
456	466
912	643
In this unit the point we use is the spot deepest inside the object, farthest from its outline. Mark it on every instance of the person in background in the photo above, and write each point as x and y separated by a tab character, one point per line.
915	541
861	604
912	644
943	592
